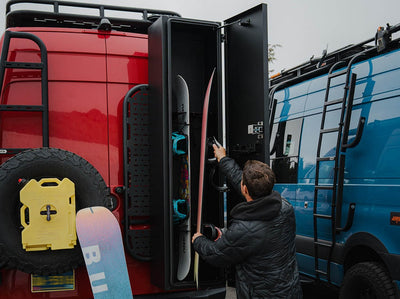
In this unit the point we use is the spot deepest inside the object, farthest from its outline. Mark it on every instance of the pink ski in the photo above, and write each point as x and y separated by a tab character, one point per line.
202	166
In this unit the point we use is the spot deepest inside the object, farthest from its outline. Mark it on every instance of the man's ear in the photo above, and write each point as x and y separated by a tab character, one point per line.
245	191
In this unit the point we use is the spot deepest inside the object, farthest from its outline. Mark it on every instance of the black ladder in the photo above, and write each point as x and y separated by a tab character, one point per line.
336	187
43	108
137	189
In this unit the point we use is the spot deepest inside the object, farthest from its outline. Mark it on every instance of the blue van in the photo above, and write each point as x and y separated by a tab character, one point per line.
335	147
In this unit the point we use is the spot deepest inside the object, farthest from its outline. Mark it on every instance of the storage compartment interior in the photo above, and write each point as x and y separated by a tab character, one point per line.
191	50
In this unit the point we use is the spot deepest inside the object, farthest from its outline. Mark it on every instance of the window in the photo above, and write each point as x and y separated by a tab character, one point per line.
284	145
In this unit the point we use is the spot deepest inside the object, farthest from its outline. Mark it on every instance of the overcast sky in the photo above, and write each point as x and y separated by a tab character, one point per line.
302	27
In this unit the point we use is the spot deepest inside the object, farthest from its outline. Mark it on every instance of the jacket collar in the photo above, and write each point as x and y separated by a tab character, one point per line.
263	208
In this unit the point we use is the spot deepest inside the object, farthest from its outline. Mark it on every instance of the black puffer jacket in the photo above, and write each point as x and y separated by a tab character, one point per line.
260	241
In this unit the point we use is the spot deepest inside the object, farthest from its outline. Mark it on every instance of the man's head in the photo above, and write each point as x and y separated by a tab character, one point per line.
258	178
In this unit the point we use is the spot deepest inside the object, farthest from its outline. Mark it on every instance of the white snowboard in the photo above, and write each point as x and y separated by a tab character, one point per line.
182	96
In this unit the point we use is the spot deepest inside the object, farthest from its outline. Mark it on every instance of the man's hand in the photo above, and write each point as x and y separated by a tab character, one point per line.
195	236
219	152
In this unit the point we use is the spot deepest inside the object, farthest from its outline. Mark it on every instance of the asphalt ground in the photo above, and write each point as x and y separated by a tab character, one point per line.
310	291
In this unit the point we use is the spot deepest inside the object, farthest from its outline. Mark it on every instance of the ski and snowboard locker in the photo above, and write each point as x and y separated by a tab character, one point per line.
190	50
182	55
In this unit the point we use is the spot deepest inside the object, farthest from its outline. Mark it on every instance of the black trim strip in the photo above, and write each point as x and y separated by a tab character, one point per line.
305	245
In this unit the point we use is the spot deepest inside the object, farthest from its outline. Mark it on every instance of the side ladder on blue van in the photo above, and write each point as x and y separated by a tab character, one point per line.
338	159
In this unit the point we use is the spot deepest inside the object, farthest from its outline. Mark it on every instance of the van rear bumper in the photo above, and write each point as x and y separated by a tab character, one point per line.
218	293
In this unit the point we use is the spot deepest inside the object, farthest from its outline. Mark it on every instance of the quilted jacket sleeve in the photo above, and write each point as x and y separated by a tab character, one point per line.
232	171
231	248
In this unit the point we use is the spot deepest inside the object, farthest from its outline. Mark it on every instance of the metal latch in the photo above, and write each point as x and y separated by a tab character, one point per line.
256	129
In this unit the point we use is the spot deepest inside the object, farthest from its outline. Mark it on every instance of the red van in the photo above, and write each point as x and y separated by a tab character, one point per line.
86	93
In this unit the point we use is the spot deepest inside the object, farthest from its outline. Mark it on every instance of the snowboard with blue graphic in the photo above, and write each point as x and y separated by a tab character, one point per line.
183	109
100	239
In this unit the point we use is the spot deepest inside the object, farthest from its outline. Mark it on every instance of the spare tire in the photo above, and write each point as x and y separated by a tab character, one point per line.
90	190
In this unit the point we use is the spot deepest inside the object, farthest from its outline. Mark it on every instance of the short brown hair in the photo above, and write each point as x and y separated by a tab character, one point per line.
259	178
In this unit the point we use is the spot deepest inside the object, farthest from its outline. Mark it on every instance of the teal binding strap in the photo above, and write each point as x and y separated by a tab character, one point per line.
179	144
180	210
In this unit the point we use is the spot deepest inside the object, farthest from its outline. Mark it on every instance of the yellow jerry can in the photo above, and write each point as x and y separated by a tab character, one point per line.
48	214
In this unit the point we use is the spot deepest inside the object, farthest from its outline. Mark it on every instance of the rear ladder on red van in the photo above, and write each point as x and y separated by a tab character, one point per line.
5	64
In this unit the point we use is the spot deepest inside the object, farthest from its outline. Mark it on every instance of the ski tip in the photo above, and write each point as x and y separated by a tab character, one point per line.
196	270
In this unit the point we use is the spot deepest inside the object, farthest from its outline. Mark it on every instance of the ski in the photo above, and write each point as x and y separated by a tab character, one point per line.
201	175
100	239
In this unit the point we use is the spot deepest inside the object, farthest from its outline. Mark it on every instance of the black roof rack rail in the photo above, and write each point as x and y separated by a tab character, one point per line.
39	15
318	66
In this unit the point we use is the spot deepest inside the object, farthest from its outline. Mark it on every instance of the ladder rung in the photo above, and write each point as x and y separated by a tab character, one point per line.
337	74
326	158
324	187
330	130
325	244
11	151
21	108
321	272
329	103
23	65
324	216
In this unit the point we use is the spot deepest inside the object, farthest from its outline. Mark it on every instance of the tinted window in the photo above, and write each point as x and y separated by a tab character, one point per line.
285	141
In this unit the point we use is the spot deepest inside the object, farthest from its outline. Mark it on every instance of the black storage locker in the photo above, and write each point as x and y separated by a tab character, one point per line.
193	49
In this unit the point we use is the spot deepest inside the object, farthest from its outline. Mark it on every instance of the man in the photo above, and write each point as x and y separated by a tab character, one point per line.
260	240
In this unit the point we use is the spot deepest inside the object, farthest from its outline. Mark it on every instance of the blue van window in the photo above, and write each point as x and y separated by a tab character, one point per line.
285	140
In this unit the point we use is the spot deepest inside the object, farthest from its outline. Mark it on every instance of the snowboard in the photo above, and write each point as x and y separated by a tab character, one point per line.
182	100
100	239
203	146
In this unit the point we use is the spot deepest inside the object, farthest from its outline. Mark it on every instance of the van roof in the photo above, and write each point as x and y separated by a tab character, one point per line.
321	65
48	13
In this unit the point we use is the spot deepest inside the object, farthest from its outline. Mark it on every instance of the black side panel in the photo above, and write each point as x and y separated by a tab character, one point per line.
159	149
136	172
246	72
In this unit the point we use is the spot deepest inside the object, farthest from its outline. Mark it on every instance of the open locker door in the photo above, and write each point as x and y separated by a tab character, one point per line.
246	89
246	73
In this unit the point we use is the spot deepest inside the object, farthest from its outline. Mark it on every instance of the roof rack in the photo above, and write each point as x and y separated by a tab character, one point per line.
47	13
318	66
